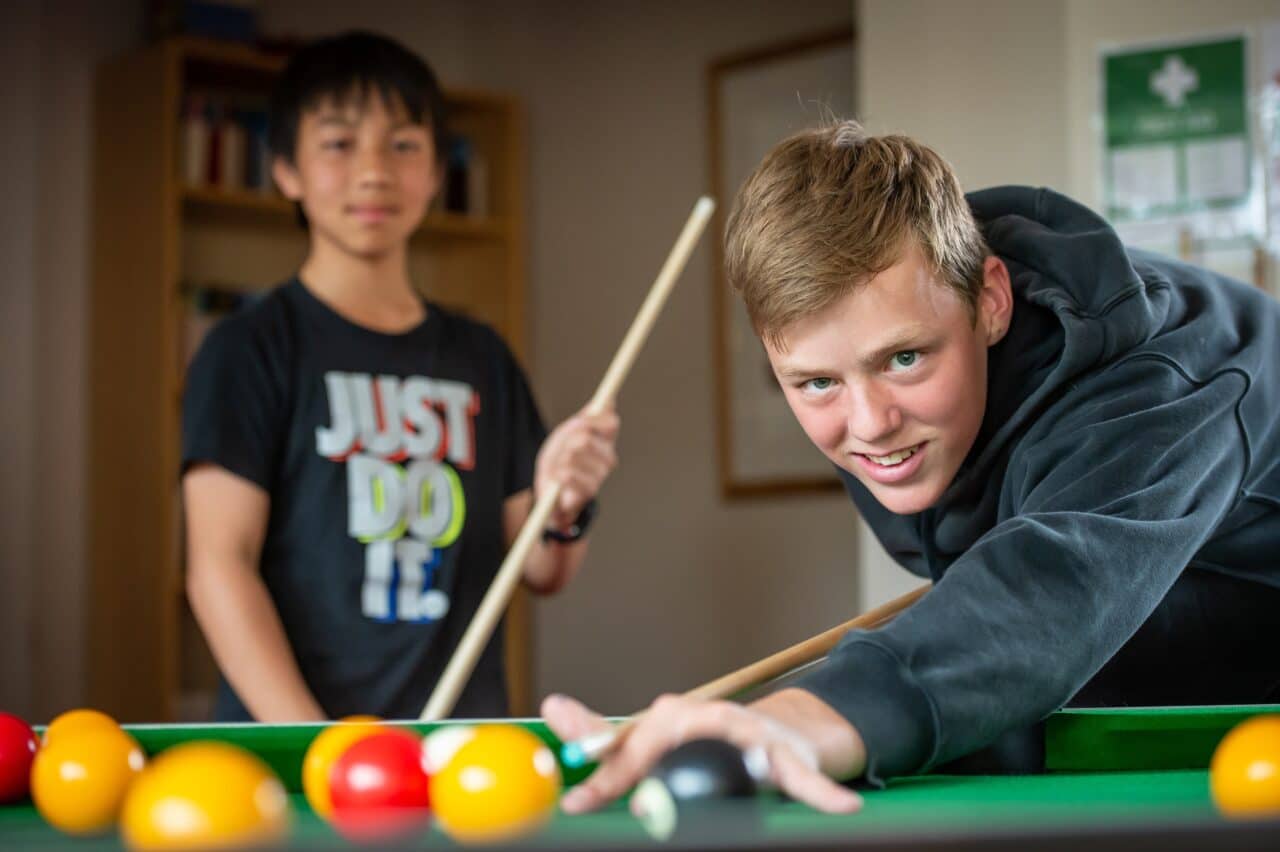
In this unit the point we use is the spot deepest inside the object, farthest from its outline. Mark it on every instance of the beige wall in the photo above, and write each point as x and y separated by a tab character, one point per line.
980	80
19	53
50	49
1094	24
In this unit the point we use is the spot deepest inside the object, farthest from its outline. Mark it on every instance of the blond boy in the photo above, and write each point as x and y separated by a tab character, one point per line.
1075	441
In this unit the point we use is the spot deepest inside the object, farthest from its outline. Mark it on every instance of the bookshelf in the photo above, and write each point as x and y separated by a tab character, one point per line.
157	237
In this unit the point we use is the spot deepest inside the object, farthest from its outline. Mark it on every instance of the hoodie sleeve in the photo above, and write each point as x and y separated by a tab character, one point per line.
1103	504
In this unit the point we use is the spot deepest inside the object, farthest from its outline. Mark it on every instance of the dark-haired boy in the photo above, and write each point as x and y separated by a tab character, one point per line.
356	459
1077	443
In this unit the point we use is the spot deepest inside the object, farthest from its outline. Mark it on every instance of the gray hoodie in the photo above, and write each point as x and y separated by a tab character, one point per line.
1131	430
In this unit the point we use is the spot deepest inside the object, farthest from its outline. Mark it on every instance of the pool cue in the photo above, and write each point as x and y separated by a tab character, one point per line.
495	602
594	746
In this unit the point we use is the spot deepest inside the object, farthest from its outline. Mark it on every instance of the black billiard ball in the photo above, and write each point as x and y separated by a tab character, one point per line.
701	790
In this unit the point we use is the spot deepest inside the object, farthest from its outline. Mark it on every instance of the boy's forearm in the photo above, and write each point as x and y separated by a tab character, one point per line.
248	641
551	565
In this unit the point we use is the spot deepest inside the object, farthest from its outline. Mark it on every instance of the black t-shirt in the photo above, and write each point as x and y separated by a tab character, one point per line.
387	458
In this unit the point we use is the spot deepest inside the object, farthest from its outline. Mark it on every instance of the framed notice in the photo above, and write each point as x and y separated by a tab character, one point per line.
1176	129
1180	163
1269	110
757	99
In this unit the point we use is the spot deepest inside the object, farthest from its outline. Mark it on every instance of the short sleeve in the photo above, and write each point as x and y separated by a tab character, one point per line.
233	404
523	426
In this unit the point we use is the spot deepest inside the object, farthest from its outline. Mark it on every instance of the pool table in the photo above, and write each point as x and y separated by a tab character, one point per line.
1127	779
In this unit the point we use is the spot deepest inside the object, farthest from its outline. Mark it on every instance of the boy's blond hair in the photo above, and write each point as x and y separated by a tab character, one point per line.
830	208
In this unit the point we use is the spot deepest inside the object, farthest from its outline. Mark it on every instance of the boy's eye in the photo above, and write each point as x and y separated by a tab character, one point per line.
904	360
340	143
817	385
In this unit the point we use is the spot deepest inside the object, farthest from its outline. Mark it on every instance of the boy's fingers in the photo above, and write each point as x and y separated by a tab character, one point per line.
614	777
604	451
621	770
672	720
605	425
669	721
585	479
625	766
806	784
570	719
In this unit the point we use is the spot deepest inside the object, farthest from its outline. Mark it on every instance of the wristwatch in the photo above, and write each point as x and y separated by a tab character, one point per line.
577	529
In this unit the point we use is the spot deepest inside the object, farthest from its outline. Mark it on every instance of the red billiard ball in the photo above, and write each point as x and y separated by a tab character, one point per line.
379	787
18	746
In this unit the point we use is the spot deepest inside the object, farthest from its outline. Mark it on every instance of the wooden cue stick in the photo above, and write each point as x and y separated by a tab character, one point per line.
775	665
802	652
445	695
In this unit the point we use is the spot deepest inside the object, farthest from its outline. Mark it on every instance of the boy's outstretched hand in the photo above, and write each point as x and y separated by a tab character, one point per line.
806	742
580	454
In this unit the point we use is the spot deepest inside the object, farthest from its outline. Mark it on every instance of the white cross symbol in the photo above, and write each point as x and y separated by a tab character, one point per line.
1174	80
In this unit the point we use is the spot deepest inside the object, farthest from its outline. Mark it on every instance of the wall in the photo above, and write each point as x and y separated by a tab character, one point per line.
18	146
1093	24
51	49
679	587
981	81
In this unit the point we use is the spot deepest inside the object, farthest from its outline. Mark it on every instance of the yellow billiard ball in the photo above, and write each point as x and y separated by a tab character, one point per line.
439	746
79	780
80	719
326	748
502	783
1244	775
205	794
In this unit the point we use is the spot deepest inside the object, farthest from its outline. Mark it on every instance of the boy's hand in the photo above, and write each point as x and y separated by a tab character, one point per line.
580	454
804	740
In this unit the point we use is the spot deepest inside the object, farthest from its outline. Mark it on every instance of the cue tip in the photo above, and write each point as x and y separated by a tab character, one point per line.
588	749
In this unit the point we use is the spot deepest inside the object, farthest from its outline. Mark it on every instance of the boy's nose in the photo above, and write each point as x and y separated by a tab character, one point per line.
372	169
873	415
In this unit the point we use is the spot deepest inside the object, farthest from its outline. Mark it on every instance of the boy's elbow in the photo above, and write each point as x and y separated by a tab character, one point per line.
205	575
196	582
546	583
544	587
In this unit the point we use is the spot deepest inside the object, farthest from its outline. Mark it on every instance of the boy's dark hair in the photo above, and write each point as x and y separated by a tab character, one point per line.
354	64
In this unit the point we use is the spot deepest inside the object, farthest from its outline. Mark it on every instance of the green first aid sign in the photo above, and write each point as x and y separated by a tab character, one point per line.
1175	94
1176	128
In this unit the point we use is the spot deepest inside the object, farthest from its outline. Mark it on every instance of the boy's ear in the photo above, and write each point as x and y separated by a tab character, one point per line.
287	178
995	301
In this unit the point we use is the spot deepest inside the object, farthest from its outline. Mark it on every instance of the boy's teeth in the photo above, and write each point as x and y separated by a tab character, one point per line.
895	458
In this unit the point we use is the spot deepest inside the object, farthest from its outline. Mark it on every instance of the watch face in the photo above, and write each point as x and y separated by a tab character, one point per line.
577	529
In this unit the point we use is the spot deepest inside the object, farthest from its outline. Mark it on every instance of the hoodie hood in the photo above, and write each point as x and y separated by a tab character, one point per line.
1079	303
1070	261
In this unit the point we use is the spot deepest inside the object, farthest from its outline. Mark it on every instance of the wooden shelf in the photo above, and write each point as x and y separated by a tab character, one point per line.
227	55
229	59
213	201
